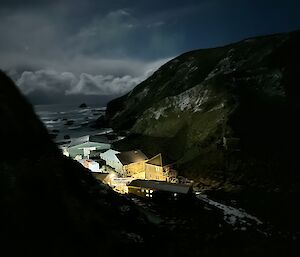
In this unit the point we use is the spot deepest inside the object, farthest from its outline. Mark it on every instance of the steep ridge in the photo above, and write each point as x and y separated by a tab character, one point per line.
227	114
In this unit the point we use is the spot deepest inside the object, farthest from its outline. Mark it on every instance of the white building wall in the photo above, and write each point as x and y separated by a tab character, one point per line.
94	166
111	159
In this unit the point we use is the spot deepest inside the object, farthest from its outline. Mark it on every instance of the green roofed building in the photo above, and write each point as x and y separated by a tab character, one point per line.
87	150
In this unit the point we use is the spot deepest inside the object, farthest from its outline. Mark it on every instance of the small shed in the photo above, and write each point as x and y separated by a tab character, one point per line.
232	143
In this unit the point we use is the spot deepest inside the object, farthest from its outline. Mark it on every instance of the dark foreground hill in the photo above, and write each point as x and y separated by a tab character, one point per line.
50	205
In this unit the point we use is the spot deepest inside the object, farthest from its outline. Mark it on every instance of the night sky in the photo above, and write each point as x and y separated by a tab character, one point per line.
75	50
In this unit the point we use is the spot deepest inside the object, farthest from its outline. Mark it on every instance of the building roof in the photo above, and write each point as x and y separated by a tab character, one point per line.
156	160
161	185
99	139
87	145
110	151
131	157
100	176
102	139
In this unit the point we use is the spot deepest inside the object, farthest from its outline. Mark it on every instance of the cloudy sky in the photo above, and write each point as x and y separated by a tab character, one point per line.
76	50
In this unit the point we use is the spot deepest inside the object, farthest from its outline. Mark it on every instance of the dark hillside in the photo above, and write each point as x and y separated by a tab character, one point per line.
230	112
50	205
229	119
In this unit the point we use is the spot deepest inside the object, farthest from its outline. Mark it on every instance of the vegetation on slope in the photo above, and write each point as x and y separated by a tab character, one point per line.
245	92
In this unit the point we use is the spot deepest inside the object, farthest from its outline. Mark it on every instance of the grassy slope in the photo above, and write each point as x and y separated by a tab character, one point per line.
259	86
253	80
167	81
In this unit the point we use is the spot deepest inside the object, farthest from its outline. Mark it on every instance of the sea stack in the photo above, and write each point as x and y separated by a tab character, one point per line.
83	105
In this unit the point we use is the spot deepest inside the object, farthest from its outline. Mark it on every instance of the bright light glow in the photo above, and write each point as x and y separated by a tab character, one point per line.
111	175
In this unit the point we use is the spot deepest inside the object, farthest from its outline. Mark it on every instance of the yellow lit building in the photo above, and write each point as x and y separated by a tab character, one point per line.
154	169
133	162
140	175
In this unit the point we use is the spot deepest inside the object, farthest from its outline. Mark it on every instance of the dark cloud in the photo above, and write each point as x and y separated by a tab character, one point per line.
51	86
108	46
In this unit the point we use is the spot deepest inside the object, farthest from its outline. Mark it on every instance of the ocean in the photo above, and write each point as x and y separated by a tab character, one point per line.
67	121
